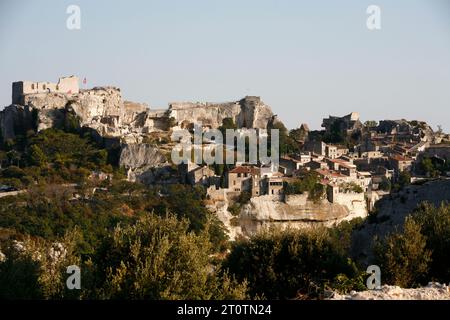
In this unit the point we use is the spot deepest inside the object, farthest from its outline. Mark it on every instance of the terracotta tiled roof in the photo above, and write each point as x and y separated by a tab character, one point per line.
244	169
401	158
329	173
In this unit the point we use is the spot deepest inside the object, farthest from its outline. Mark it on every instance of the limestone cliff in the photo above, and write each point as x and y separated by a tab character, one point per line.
391	211
249	112
103	110
293	211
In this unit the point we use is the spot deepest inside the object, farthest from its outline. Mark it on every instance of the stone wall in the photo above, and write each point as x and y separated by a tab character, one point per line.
65	85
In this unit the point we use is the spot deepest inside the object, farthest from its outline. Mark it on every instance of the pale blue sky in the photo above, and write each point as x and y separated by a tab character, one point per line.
307	59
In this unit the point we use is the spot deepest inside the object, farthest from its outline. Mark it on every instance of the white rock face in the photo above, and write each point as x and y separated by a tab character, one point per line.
140	155
103	110
249	112
295	211
143	162
392	210
100	108
433	291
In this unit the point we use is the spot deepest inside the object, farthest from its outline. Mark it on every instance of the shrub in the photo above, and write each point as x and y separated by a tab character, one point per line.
158	258
403	256
285	264
434	224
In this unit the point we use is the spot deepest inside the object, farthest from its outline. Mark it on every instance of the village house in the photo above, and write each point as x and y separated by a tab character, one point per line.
274	184
194	174
364	180
400	163
314	164
335	151
290	165
317	147
327	176
245	178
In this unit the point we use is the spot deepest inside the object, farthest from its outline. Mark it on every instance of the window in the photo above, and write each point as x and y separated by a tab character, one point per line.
43	86
245	175
32	86
239	175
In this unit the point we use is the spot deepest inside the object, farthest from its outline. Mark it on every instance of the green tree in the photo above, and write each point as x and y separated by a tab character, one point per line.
403	256
404	179
286	264
158	258
36	268
385	184
310	183
370	123
37	156
434	224
3	158
14	157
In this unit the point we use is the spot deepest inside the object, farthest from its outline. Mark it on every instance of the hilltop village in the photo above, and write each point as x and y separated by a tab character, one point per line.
324	176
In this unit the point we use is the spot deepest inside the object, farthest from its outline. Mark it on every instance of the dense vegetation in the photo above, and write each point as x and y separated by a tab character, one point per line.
433	167
52	156
138	242
293	264
421	251
310	182
155	258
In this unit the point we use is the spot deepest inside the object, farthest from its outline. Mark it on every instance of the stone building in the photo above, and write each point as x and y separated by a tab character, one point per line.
290	165
346	124
400	163
245	178
193	174
314	164
66	85
317	147
274	184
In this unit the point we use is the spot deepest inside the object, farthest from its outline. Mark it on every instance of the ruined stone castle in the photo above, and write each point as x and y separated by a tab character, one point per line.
44	105
66	85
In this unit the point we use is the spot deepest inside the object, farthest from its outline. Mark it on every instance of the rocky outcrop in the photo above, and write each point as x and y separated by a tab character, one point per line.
15	118
100	108
103	110
417	128
140	156
139	159
391	211
249	112
295	211
433	291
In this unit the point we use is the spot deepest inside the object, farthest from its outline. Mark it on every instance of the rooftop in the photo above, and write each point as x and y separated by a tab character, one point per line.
330	173
401	158
244	169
